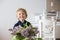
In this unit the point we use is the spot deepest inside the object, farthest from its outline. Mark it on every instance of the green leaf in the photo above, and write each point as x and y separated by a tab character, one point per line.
19	36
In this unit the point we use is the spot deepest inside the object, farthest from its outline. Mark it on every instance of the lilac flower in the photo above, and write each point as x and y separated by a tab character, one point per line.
15	30
28	28
10	29
25	33
28	32
35	30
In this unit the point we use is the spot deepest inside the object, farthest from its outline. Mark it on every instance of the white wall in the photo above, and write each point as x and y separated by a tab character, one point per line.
57	31
8	13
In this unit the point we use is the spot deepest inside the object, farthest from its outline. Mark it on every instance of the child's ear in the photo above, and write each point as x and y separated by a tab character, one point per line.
16	15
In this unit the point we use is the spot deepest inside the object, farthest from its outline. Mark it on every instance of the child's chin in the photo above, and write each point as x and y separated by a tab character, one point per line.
21	19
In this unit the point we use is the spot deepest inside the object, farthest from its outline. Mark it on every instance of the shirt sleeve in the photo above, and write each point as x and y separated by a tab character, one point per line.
15	25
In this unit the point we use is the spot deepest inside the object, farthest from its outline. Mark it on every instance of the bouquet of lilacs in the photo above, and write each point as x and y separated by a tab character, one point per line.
22	33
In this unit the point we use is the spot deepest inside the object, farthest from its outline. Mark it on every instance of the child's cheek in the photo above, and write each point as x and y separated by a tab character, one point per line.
21	16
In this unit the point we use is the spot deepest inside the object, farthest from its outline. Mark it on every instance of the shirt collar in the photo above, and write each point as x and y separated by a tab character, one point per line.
21	22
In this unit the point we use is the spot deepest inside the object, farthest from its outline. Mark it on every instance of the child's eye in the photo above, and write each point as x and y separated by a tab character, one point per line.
22	13
19	14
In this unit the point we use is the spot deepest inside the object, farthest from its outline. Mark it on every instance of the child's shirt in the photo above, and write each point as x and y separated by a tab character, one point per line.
24	24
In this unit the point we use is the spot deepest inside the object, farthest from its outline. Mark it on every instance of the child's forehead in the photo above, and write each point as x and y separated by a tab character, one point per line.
20	12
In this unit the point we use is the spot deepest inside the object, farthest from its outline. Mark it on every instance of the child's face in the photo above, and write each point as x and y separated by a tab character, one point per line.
21	15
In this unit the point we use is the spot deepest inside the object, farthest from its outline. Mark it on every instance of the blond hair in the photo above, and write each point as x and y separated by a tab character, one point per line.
22	10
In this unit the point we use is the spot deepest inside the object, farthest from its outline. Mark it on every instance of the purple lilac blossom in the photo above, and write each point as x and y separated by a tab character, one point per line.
16	29
28	28
36	30
24	33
